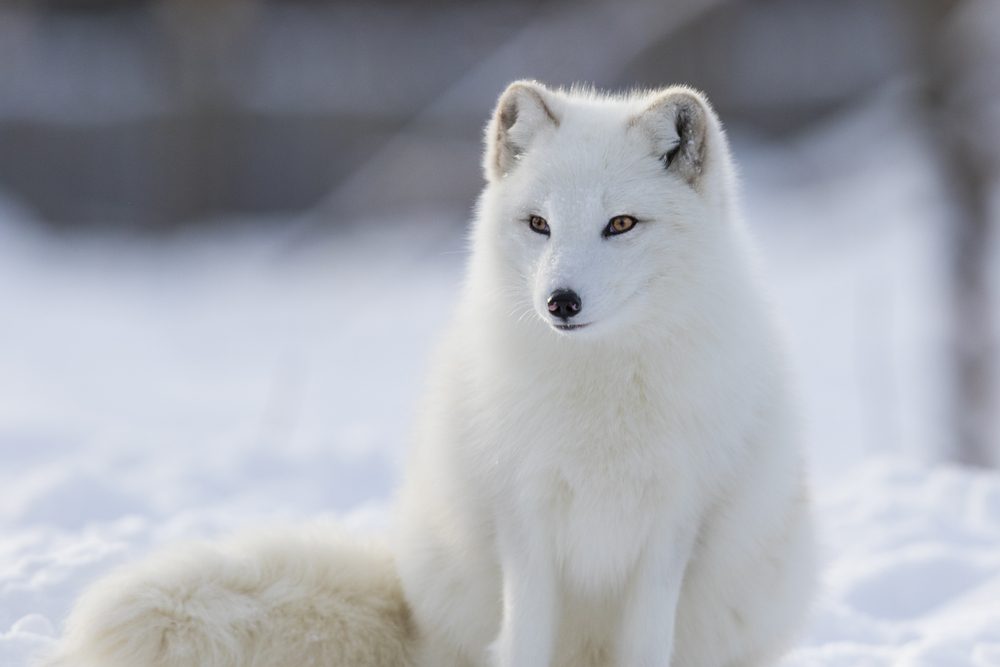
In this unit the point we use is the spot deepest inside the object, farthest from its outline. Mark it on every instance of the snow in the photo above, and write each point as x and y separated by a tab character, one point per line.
190	387
913	571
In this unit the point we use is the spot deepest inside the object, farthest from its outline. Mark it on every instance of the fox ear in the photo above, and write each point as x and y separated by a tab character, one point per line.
677	124
524	110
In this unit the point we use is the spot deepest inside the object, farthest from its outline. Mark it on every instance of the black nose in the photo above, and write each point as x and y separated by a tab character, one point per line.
564	303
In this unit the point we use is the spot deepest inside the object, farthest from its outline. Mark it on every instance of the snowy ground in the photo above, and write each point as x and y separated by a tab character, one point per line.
156	391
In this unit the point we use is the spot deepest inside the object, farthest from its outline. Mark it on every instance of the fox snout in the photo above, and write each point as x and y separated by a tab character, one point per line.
564	303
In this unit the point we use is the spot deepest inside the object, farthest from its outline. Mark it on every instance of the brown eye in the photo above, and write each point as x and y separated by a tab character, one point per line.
619	225
538	224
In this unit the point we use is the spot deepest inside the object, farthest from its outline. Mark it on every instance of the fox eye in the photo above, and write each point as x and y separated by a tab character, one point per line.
619	225
538	224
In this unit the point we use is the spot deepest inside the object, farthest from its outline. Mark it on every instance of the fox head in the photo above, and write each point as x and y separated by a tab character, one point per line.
598	210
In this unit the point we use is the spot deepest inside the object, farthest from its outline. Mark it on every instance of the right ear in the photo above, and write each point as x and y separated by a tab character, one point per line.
677	123
524	110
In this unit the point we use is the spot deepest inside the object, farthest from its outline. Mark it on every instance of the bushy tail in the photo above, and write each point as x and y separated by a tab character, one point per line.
281	599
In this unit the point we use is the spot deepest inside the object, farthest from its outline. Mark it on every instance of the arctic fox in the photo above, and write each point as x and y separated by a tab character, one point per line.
606	470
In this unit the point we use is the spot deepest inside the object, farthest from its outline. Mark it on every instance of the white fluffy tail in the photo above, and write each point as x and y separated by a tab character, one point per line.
277	600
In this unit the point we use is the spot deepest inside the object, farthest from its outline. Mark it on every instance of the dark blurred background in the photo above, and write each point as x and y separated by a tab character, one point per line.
152	116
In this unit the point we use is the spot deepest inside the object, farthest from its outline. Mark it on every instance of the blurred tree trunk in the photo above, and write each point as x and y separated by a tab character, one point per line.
207	44
957	57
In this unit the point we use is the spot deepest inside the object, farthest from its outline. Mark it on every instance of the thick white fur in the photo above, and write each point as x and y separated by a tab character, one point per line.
628	494
632	490
273	599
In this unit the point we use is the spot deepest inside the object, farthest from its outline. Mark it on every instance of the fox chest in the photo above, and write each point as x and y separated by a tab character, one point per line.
596	503
598	528
594	479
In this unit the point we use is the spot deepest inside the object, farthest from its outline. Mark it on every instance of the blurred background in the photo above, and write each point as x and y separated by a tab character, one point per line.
231	229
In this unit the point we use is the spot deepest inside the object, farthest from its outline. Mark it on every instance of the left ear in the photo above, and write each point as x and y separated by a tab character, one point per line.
676	122
524	111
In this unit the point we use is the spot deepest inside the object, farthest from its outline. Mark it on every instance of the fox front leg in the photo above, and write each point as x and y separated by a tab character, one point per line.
646	638
527	632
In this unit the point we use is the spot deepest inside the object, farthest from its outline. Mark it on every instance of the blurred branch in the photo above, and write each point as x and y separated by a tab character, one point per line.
528	54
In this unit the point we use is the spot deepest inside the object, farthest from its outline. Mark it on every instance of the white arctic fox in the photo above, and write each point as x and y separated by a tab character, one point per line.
606	471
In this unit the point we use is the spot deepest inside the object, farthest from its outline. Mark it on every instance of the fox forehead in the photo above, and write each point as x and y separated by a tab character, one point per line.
595	130
587	165
593	137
